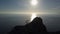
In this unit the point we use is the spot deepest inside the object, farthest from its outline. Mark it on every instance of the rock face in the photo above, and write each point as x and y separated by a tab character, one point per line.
35	27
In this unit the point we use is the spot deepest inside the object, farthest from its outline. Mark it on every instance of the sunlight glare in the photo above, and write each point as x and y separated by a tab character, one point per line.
34	2
33	16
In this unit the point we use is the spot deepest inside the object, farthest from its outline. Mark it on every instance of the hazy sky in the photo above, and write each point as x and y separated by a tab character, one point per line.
22	5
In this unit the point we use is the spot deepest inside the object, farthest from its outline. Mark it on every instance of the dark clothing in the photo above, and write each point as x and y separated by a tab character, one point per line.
36	26
33	28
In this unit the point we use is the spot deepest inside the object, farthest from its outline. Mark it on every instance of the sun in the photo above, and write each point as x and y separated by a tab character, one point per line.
33	16
34	2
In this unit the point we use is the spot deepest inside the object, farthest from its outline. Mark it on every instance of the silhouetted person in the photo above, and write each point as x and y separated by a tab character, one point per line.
36	26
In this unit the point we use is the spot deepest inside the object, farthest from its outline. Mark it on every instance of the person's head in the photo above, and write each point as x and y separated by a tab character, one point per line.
37	20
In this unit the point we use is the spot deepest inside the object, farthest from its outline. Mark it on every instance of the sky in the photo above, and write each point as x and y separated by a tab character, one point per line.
50	6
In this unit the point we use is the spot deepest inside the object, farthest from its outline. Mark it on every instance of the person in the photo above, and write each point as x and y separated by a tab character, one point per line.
36	26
